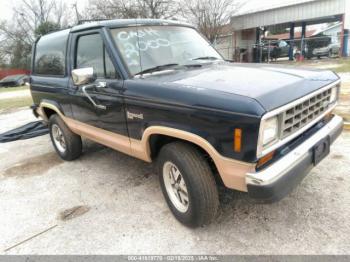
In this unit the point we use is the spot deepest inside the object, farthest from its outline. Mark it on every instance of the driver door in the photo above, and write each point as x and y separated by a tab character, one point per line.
88	49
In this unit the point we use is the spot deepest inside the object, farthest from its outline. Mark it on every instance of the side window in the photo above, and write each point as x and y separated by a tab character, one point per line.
50	54
110	72
91	52
283	44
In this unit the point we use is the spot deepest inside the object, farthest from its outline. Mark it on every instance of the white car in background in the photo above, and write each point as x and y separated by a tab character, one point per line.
332	50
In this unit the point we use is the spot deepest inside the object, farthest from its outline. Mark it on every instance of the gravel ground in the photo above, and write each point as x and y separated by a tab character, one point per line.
15	94
109	203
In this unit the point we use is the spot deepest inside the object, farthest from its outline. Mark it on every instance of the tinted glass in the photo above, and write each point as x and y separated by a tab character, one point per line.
283	44
50	54
13	77
91	52
145	47
109	67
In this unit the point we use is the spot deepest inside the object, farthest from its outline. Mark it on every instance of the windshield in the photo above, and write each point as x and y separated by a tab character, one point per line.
147	47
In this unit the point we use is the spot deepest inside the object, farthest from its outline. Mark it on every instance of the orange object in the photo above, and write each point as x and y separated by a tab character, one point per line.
262	161
238	140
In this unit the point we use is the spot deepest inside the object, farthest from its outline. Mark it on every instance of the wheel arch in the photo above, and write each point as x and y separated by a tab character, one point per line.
232	172
47	109
156	136
157	141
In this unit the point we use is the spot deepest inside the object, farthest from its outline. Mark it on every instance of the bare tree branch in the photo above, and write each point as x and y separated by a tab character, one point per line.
112	9
29	16
210	16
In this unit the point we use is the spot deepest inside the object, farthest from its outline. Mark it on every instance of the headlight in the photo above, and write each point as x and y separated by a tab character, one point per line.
270	130
334	95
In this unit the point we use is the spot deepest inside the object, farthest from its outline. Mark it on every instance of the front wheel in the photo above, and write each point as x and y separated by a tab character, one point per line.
67	144
330	54
188	184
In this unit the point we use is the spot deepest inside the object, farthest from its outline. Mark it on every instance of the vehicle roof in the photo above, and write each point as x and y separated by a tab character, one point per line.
119	23
127	23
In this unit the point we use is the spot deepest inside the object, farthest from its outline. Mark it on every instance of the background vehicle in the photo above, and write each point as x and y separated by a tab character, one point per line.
159	92
330	50
276	48
14	80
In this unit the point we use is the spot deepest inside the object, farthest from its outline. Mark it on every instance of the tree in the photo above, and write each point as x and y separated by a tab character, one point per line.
210	16
165	9
31	18
112	9
46	27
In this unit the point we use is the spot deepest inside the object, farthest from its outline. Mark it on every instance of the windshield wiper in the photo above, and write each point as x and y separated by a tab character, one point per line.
156	68
206	58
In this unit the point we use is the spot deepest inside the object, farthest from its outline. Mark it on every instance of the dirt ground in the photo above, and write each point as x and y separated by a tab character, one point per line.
109	203
16	94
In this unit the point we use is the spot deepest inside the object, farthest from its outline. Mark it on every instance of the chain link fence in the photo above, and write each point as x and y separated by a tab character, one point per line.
271	50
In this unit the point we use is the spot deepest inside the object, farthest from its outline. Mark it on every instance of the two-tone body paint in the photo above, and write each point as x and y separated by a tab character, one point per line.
209	101
197	111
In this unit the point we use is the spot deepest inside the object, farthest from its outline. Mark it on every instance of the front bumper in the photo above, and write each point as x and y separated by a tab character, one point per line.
277	180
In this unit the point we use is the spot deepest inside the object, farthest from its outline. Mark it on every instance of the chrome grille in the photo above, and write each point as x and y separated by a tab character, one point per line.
303	113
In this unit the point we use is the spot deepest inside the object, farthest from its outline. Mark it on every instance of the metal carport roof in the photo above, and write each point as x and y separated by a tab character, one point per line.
285	12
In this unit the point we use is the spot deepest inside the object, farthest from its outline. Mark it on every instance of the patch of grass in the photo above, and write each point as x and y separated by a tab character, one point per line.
12	89
344	66
338	65
12	103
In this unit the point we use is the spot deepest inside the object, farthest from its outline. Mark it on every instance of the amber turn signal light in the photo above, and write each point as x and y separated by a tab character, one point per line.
262	161
237	145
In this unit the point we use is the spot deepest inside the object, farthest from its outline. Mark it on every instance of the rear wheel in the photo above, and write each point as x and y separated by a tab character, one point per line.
330	54
188	184
67	144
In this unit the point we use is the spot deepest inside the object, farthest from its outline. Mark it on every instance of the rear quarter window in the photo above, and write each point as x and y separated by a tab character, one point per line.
50	54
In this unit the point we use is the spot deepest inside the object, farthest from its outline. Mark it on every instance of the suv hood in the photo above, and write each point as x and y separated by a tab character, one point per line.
271	86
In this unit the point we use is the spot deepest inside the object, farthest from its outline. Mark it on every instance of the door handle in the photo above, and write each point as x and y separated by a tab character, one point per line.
102	107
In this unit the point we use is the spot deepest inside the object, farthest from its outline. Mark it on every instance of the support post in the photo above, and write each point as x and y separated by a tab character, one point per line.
342	34
303	41
346	31
258	48
346	41
291	42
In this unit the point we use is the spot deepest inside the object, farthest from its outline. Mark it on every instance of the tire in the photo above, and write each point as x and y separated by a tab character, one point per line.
199	182
68	146
330	54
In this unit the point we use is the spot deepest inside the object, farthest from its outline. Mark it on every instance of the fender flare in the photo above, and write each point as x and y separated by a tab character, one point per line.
50	105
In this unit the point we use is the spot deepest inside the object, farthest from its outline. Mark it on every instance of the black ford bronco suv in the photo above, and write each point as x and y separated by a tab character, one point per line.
158	91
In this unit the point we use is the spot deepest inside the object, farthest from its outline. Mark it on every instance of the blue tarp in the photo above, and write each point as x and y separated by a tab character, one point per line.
30	130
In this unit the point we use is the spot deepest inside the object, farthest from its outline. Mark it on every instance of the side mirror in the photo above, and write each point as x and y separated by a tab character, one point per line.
83	76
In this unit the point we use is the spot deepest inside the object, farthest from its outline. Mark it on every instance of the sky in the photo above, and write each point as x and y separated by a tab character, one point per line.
7	5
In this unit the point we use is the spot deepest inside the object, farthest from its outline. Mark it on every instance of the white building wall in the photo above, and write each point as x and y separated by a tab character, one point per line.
240	42
347	15
224	45
300	12
334	33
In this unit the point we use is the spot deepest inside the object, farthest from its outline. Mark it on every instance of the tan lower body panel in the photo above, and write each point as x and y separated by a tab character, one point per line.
101	136
232	172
